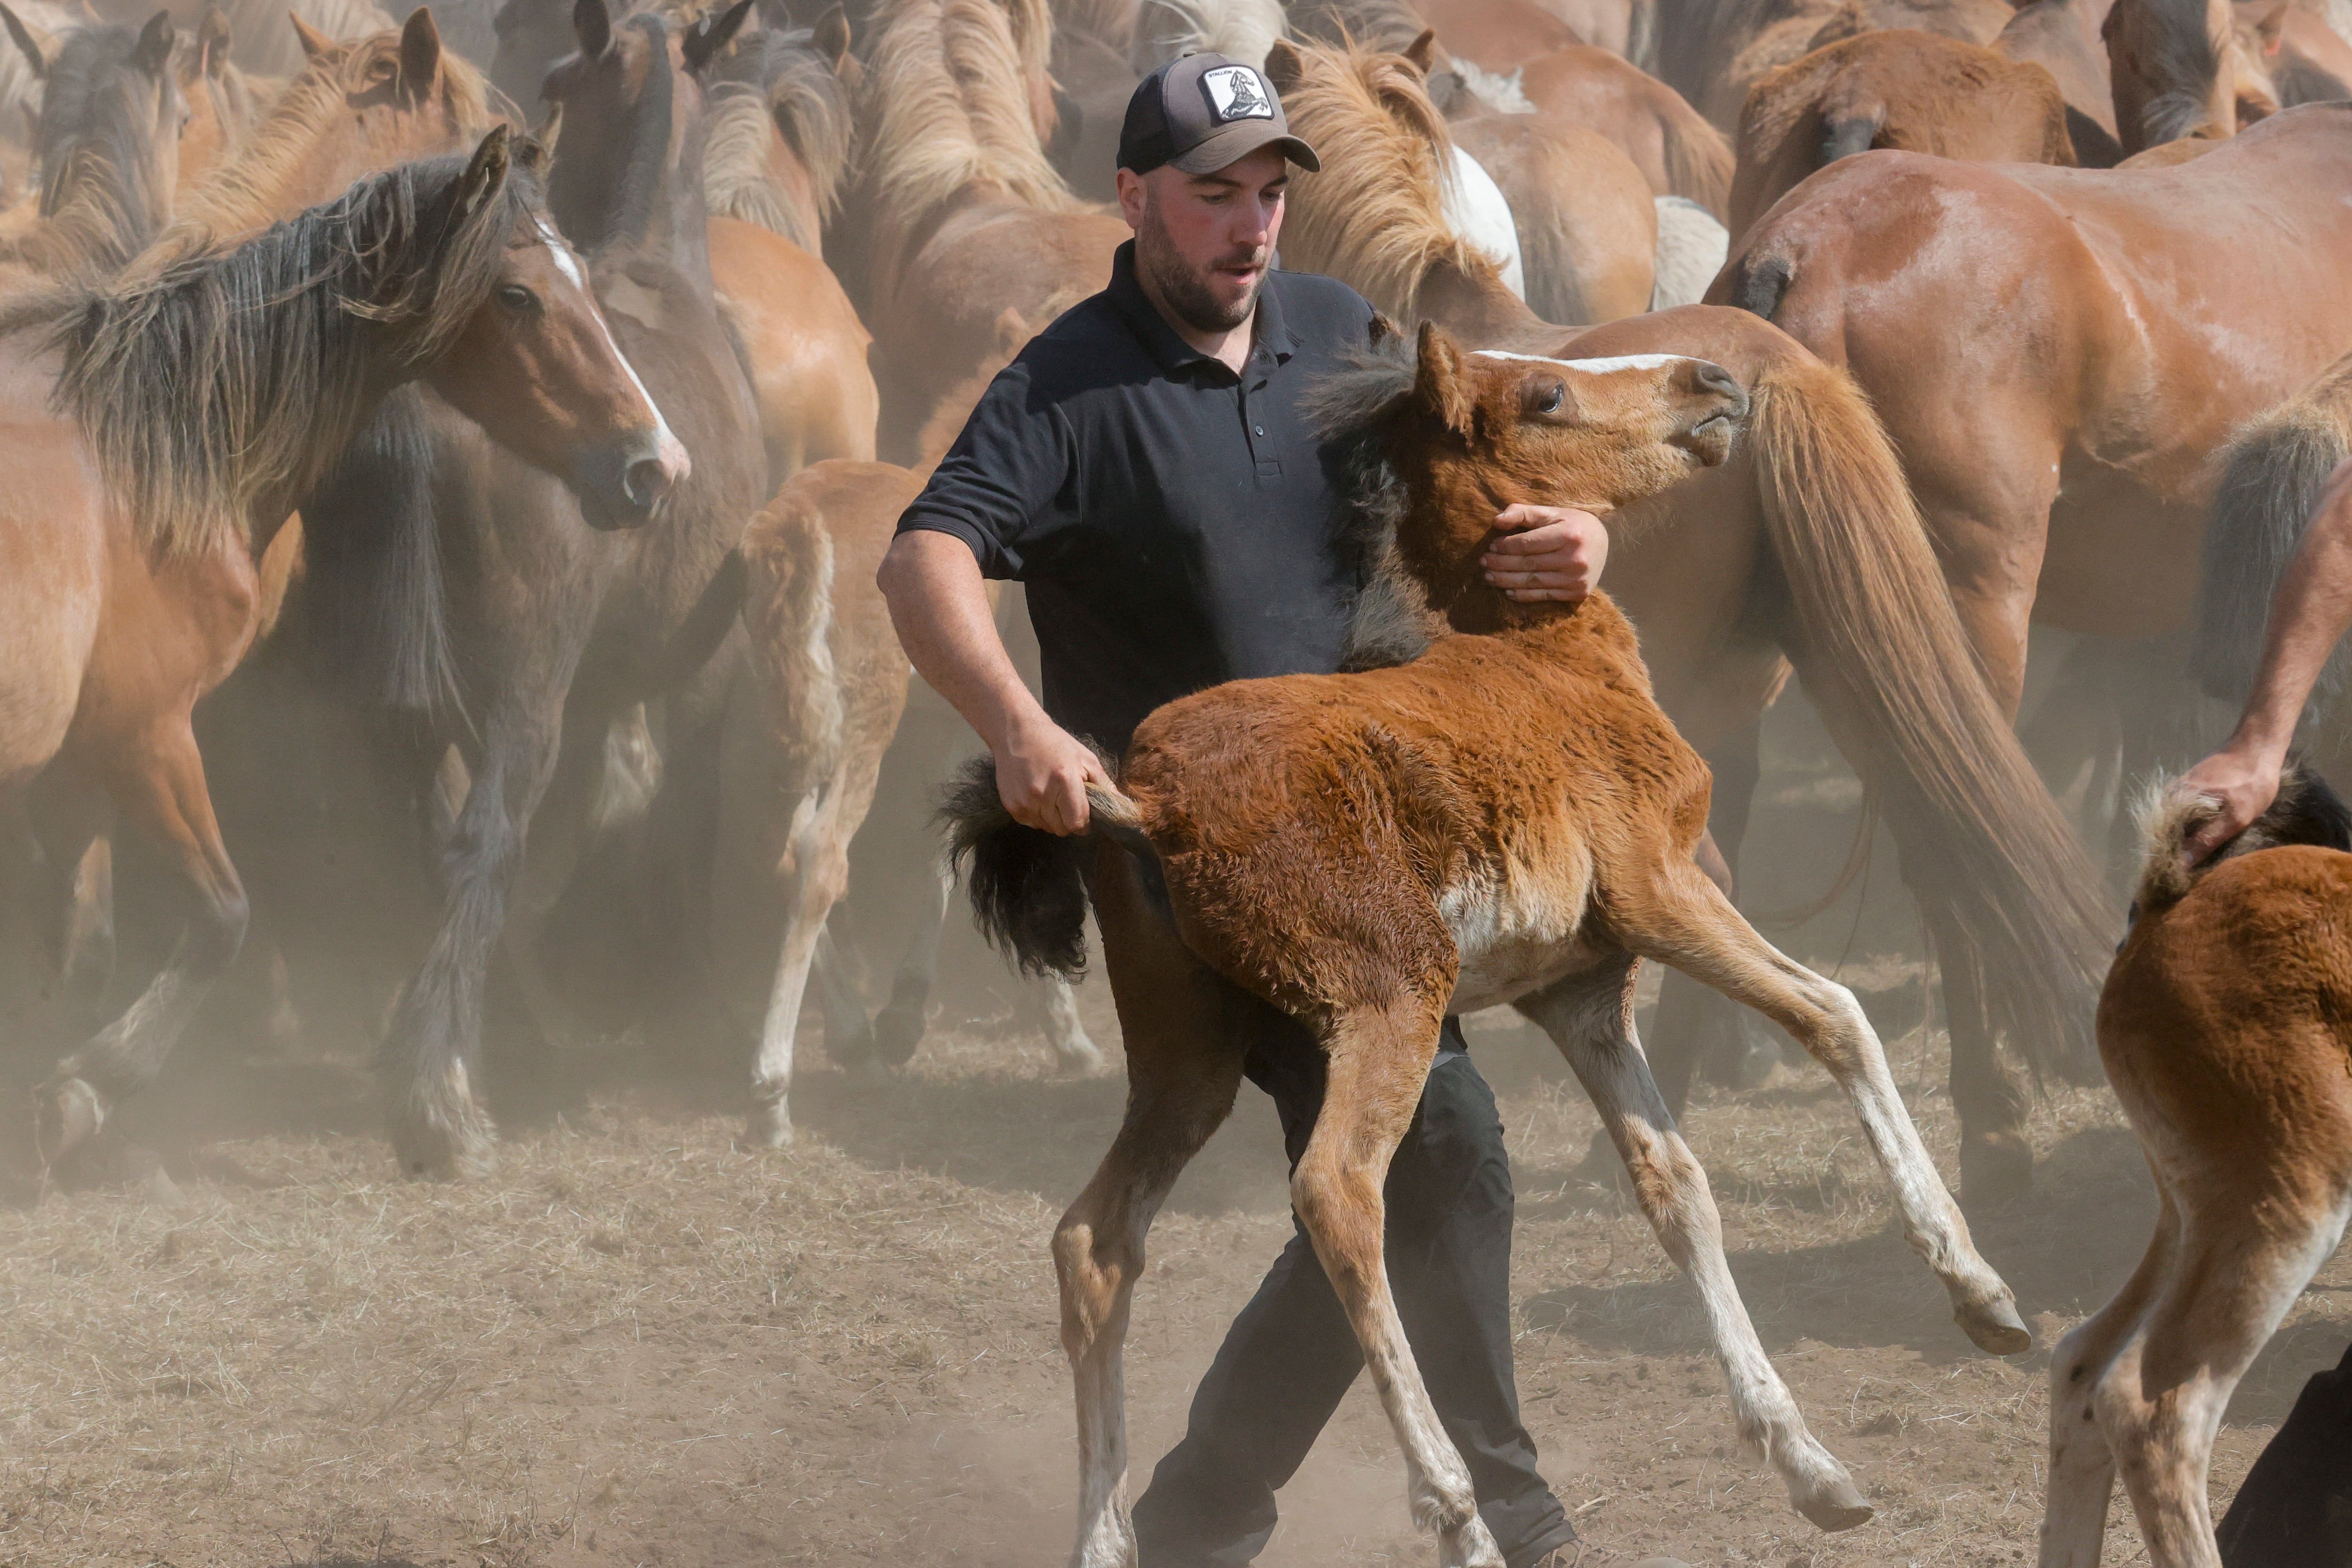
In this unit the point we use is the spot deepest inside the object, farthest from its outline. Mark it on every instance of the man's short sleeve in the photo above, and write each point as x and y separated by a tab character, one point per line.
1009	469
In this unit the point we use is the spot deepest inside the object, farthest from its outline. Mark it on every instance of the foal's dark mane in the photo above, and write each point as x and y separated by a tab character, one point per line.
206	378
1350	410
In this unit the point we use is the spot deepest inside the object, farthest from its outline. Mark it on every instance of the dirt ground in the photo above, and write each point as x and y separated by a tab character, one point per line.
639	1345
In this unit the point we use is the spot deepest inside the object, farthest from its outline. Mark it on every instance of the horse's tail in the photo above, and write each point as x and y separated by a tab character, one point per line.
1028	886
788	560
1699	159
2273	472
1690	250
1982	842
2305	812
1759	284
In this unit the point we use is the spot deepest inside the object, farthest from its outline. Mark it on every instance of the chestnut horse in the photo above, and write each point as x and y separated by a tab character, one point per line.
2222	1027
1917	92
1506	818
1677	151
2062	37
160	427
2071	485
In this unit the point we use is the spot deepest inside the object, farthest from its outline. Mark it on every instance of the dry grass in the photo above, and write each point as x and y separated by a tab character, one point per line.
639	1345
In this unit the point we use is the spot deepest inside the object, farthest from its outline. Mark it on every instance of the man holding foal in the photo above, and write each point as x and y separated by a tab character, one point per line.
1147	468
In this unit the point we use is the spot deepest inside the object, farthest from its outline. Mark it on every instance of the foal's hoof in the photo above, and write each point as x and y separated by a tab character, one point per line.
1994	1326
1838	1505
69	1116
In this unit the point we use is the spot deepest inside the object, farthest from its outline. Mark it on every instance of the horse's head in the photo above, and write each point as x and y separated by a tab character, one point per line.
534	363
632	102
111	114
1477	431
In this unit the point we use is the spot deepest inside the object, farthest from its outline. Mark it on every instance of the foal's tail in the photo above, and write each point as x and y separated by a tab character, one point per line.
1028	886
2307	810
2273	472
1881	646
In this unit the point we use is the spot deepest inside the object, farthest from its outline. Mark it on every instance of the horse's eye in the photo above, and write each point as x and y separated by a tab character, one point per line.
515	297
1552	398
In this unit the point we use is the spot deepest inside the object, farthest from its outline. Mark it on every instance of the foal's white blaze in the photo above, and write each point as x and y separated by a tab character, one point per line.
1590	366
672	449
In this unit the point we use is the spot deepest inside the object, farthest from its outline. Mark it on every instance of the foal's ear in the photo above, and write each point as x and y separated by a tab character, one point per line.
831	35
483	175
1439	383
152	53
314	42
1423	50
593	26
1286	68
212	42
706	38
39	45
420	52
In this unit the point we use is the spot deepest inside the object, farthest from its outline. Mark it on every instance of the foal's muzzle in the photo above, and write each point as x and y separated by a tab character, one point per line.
1715	409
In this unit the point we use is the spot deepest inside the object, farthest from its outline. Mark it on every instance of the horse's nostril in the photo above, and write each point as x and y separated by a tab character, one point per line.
1715	379
647	481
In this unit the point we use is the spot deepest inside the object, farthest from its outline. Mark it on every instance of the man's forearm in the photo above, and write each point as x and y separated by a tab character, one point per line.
938	604
2308	616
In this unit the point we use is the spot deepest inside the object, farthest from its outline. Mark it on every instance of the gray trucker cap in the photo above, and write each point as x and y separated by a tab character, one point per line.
1201	112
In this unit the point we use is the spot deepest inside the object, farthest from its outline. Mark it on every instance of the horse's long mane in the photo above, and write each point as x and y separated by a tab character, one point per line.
735	180
777	83
265	41
1238	29
238	196
99	206
204	378
945	109
1375	24
1375	216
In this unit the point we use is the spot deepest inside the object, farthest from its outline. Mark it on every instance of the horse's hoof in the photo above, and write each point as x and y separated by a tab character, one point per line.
1994	1326
897	1030
1080	1058
1839	1506
69	1116
853	1048
770	1123
439	1134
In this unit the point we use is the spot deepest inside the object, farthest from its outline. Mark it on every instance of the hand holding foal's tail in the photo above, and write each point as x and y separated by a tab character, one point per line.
1042	774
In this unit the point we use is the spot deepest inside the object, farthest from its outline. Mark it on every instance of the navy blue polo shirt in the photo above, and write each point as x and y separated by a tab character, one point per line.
1174	523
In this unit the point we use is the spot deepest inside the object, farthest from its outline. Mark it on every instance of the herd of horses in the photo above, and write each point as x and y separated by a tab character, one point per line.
497	416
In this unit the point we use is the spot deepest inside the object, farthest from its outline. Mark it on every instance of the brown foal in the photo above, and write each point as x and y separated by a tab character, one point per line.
1508	817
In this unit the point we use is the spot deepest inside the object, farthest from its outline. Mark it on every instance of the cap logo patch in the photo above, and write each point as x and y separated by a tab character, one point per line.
1237	92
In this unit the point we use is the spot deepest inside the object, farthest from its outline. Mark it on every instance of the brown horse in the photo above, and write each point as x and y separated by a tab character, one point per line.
2222	1027
160	427
1506	818
2180	73
2071	484
1672	143
1712	51
225	103
2062	37
1917	92
107	150
957	216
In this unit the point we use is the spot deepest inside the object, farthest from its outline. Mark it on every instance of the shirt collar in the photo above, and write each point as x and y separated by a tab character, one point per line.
1170	351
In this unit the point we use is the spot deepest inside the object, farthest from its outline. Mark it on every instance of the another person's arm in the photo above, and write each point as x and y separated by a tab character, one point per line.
938	603
2308	616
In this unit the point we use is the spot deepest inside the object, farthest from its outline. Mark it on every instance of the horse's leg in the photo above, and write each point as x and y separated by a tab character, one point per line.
1379	1060
157	778
72	823
1051	1007
1682	919
1589	1017
2082	1465
1182	1071
2245	1254
1989	1094
899	1027
848	1032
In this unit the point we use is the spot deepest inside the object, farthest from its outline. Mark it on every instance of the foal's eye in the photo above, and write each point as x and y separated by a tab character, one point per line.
515	297
1550	399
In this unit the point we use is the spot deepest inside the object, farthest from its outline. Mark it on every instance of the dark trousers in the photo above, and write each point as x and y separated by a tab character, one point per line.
2294	1510
1291	1354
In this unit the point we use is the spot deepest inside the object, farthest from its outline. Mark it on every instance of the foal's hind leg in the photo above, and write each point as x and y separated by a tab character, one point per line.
1590	1019
2245	1254
1378	1062
2082	1466
157	780
1182	1069
1679	918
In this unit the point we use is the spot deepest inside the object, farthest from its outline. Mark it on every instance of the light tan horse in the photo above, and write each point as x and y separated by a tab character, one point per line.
957	216
2223	1030
158	431
1503	815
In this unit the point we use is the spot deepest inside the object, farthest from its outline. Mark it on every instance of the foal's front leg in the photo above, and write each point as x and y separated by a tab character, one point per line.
1378	1062
1590	1019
